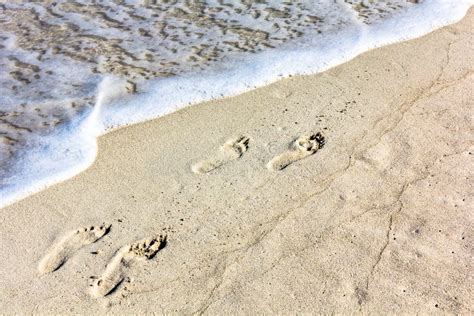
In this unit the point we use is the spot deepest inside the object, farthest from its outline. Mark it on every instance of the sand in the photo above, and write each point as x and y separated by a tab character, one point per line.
240	206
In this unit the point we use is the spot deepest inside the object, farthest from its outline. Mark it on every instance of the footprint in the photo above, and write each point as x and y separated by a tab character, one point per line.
114	273
302	147
69	244
231	150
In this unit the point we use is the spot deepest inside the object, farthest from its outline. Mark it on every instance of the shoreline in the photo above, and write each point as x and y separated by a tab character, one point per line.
374	221
74	144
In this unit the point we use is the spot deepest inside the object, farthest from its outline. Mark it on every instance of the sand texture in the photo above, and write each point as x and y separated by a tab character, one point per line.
344	192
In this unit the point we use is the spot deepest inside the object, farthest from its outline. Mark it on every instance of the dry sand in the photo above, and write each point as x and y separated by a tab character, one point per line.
377	220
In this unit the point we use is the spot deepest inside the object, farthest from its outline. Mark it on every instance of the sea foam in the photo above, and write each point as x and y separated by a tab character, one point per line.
72	71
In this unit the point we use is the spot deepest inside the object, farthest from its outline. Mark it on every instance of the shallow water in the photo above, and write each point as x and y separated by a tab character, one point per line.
71	70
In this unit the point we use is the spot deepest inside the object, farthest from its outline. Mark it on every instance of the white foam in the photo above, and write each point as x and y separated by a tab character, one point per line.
71	148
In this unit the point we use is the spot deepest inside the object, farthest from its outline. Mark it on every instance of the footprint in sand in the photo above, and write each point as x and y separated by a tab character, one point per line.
302	147
114	273
231	150
70	243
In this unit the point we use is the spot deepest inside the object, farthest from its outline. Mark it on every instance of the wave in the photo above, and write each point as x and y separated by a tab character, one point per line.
72	71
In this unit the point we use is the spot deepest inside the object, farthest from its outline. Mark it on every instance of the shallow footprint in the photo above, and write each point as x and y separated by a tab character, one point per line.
302	147
70	243
114	273
231	150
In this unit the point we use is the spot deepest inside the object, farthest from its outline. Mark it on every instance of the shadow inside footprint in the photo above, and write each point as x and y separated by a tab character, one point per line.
232	149
161	244
302	147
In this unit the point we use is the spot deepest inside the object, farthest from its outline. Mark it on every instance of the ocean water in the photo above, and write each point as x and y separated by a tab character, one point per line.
72	70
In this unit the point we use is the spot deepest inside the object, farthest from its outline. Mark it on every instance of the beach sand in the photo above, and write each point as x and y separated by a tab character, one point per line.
376	218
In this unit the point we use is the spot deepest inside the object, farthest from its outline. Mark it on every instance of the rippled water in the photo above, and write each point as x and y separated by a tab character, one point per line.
70	70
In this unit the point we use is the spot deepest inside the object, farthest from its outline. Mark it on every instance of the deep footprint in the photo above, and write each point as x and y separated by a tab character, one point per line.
115	271
231	150
302	147
69	244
